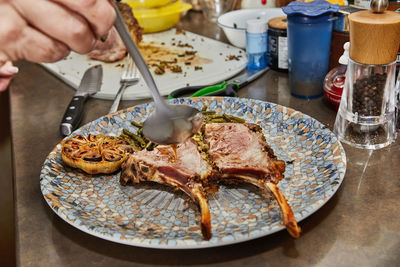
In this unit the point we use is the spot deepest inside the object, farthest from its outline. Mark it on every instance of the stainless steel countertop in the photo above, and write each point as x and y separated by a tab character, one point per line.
360	225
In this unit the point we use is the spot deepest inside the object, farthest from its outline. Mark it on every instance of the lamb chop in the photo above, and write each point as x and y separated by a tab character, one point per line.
240	153
181	167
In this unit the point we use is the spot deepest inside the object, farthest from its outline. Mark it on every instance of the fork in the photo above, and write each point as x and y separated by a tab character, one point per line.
129	77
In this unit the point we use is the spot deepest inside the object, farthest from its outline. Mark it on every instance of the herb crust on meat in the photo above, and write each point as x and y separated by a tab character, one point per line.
226	150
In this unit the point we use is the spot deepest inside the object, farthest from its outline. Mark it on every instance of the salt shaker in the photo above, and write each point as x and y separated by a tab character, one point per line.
256	44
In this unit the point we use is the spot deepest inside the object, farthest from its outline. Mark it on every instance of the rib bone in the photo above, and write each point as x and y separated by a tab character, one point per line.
182	168
241	154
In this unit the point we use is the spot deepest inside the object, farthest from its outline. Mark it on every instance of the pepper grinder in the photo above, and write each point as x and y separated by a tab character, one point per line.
366	116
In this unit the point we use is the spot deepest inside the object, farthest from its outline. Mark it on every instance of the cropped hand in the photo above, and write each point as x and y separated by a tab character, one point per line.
47	30
7	72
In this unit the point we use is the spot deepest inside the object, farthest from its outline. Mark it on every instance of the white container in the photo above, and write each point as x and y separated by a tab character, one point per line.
234	23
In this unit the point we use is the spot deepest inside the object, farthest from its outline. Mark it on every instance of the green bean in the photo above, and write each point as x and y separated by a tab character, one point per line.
127	132
149	144
215	116
141	141
124	136
217	120
235	119
132	142
210	112
136	124
135	137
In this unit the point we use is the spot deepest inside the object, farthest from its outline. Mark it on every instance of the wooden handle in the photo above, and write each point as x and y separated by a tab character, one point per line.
374	38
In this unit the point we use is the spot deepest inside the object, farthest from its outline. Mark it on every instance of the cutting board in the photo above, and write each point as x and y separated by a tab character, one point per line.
220	61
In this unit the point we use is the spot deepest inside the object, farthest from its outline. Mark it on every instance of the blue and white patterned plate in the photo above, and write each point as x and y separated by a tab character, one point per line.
151	215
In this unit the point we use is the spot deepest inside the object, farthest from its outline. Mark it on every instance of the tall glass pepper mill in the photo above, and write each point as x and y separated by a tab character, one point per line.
366	116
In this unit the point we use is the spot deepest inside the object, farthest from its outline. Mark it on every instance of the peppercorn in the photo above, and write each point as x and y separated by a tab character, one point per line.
368	95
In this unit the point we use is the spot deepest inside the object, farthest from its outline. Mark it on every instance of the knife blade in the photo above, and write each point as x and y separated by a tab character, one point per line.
89	85
247	77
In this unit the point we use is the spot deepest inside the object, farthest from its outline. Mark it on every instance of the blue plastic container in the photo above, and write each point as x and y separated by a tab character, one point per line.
256	50
309	32
256	44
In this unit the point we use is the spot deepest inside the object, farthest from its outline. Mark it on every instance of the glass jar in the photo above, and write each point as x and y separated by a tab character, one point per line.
366	116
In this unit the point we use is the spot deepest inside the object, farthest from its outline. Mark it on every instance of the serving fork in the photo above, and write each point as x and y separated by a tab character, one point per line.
129	76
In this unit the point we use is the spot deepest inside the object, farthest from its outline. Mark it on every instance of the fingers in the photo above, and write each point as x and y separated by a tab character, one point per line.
4	82
20	41
37	47
99	13
7	71
58	23
46	30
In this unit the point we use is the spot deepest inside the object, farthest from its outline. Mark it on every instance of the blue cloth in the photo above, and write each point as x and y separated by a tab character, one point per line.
311	9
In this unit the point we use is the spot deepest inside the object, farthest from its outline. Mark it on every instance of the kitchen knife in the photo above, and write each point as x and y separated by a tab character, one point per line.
226	88
90	84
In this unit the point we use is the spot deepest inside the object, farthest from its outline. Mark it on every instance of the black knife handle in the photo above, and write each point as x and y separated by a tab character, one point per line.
73	115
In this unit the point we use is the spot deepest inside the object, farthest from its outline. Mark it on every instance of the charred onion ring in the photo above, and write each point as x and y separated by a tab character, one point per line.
95	153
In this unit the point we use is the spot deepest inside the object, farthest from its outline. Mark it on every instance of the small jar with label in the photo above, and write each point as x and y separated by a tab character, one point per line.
277	44
256	44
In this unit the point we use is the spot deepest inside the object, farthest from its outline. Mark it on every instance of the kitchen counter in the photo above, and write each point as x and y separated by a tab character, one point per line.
359	225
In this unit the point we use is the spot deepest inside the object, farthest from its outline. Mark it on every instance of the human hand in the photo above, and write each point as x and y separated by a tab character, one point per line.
7	71
47	30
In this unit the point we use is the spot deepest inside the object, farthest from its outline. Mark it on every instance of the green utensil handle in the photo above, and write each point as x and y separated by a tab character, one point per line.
210	89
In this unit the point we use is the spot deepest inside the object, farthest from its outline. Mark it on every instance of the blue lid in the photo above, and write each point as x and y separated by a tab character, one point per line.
312	9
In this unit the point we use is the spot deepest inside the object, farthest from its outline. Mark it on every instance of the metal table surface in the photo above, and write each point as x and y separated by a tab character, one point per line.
360	225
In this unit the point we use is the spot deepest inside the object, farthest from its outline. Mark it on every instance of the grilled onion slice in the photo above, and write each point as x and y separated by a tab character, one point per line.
95	153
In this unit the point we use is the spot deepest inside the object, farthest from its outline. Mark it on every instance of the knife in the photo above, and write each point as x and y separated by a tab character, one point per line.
226	88
90	84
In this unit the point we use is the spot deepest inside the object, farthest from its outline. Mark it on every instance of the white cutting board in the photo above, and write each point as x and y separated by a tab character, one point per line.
71	69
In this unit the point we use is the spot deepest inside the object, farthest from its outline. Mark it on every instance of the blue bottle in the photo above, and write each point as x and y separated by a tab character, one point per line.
256	44
309	32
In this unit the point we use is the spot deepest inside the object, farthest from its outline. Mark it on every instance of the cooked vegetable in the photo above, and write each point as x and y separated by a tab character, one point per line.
95	153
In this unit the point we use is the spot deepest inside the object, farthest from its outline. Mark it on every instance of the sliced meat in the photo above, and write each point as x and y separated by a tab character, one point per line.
240	153
113	48
181	167
131	22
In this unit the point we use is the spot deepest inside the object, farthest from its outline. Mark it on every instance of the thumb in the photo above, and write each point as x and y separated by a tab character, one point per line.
8	70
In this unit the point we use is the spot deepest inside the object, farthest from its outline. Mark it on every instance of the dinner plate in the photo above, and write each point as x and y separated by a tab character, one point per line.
154	216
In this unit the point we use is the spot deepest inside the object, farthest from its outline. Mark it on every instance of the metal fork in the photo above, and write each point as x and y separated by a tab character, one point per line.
129	77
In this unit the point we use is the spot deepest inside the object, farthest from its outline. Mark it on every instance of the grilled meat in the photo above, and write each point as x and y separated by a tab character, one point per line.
130	21
181	167
230	153
240	153
113	48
